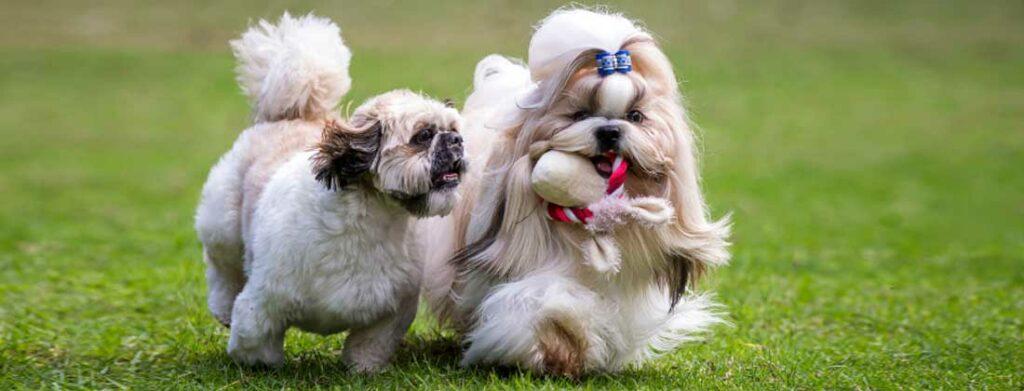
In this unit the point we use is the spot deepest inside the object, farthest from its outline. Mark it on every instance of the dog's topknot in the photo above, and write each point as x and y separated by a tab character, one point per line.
568	32
297	68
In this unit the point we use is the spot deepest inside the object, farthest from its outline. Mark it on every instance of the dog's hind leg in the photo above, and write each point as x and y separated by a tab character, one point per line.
548	324
218	223
562	347
224	281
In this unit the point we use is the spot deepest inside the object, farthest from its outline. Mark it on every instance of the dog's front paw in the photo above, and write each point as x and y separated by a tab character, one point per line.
366	367
263	354
256	358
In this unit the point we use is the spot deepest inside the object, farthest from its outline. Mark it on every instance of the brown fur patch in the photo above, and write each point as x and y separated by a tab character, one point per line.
563	352
346	152
680	272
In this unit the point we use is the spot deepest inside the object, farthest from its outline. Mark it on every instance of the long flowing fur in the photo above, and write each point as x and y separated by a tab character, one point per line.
512	271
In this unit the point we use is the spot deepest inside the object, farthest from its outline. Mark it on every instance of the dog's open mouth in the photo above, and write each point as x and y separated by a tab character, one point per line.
604	164
447	179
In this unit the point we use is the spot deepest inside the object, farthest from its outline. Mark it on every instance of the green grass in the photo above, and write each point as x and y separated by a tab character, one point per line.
871	155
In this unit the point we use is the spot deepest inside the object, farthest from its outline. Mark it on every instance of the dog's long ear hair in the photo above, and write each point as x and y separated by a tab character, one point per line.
506	232
346	151
694	242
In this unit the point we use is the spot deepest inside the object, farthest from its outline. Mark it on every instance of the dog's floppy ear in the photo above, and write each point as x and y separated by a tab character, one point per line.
346	151
696	242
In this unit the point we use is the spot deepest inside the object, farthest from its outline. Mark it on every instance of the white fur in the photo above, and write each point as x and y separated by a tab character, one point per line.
619	329
297	67
281	249
325	262
497	84
615	96
568	31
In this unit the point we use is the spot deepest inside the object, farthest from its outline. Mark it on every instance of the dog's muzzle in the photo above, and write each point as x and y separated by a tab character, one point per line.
608	137
447	163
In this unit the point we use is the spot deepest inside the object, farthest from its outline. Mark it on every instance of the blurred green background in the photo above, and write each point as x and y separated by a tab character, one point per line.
871	153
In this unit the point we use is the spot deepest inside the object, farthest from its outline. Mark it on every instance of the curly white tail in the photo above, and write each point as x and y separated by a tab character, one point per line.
297	68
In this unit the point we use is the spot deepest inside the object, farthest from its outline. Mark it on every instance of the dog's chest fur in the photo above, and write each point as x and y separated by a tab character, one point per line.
336	259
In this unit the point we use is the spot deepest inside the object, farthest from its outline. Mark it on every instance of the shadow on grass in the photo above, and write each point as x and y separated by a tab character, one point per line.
431	360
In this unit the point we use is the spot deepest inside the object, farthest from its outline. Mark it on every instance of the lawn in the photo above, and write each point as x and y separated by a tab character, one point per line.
871	155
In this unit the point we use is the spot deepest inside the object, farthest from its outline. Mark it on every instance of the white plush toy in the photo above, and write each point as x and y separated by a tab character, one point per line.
576	193
567	179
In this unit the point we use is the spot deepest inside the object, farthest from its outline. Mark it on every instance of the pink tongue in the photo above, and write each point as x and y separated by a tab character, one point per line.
605	167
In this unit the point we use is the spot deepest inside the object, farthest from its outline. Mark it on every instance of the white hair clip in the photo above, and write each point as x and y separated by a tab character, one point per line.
608	63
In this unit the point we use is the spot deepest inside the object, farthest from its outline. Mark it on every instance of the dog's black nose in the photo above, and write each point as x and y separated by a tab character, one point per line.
446	139
451	142
608	138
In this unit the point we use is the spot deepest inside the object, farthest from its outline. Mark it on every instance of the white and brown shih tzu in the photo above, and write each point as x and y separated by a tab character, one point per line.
517	276
306	221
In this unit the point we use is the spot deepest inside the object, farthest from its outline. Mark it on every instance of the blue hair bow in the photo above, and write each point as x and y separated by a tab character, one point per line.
608	63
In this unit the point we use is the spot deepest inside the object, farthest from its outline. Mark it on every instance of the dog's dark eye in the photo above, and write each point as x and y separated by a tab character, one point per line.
635	116
580	115
423	137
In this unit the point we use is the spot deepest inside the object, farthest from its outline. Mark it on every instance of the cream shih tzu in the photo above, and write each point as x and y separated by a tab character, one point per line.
515	273
306	221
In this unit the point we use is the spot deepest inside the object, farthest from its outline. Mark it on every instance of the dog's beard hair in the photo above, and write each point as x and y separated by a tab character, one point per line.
440	203
406	176
664	164
403	171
